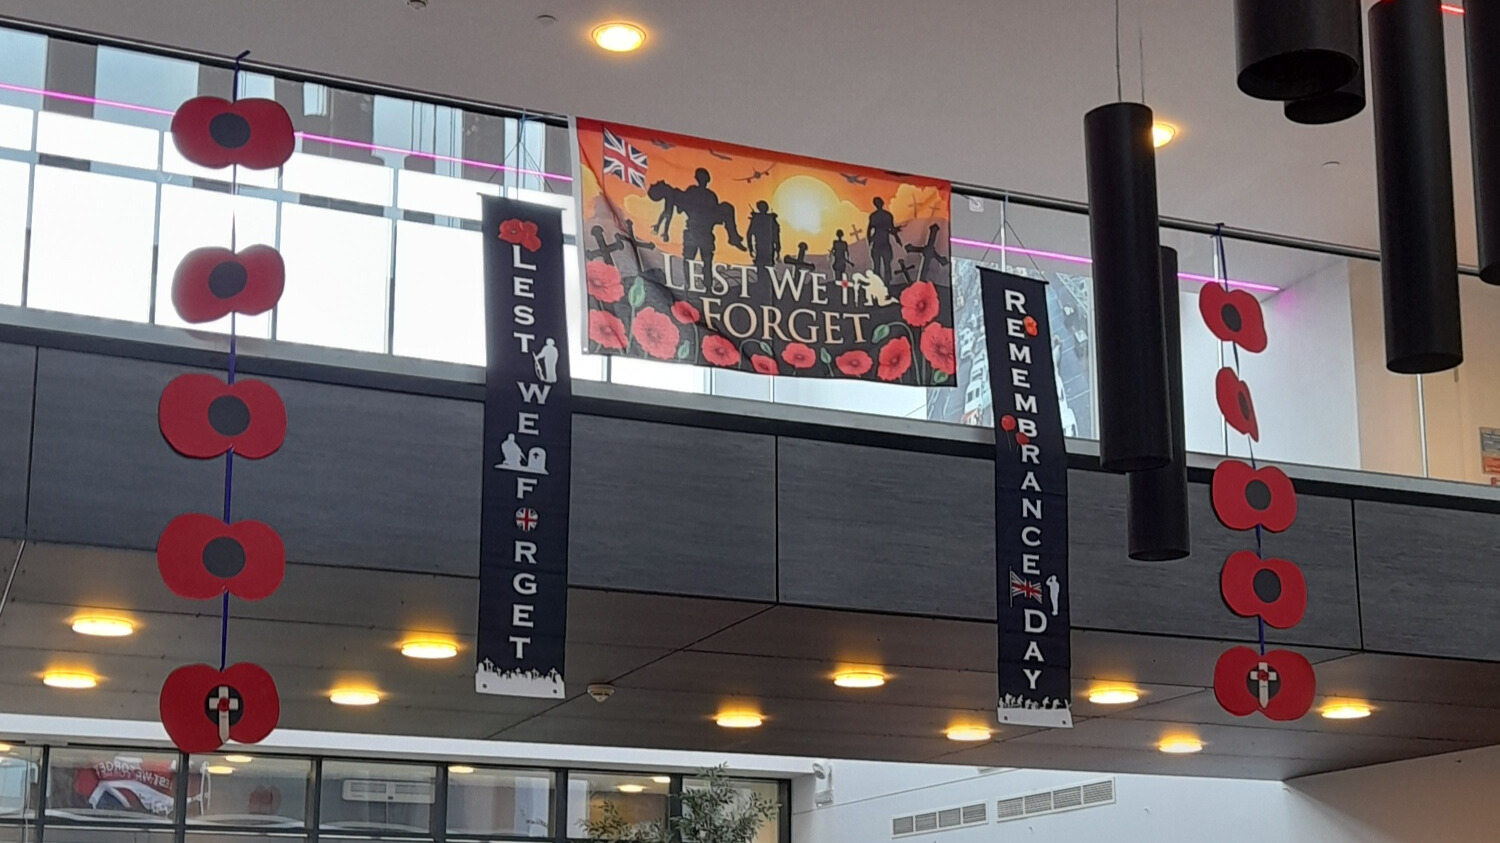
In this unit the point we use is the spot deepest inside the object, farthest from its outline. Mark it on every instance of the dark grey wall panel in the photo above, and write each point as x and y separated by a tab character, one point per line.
1110	591
1428	580
672	509
17	371
883	530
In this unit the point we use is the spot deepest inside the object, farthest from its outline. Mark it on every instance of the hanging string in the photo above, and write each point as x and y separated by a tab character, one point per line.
1140	34
234	191
1119	80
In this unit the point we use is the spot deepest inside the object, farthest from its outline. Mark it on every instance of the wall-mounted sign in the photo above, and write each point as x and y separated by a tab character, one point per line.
1489	449
528	430
719	255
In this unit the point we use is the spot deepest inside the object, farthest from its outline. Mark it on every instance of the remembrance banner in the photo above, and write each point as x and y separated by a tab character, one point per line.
719	255
528	428
1031	504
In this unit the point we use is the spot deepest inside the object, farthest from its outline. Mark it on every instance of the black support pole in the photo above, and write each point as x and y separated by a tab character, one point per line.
1482	39
1157	500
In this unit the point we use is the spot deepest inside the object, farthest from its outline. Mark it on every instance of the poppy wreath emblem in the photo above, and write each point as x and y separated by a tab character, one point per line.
1245	498
522	233
215	133
1272	589
1236	404
1233	316
201	557
203	708
1279	684
203	417
211	282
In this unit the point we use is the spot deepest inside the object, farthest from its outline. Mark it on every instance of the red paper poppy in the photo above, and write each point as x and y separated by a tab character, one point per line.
1235	403
522	233
895	359
799	355
606	330
765	365
214	133
853	363
686	313
1233	316
1245	498
1031	326
212	282
1281	684
603	282
655	333
201	557
203	708
202	417
919	303
1273	589
1007	423
720	351
937	347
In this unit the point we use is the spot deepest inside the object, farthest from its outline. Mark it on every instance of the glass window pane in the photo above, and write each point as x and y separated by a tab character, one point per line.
103	785
442	195
97	140
143	79
15	126
173	162
336	179
191	219
251	790
360	795
638	798
15	187
18	782
23	62
337	277
439	293
488	803
91	238
770	830
74	834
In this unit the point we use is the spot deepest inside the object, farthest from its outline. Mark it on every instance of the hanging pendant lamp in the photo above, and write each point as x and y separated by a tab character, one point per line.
1157	501
1295	49
1414	170
1338	105
1135	432
1482	38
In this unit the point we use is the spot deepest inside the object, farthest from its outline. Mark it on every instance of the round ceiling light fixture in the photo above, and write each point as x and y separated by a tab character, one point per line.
631	788
739	720
354	696
1184	745
218	769
1346	710
239	759
69	679
460	769
859	679
662	779
429	648
969	734
5	747
1162	133
619	36
100	626
1115	695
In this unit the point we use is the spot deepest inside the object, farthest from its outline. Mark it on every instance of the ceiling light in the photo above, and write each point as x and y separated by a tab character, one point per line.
69	679
460	770
619	36
739	720
662	779
218	769
969	733
238	759
859	679
429	648
353	696
631	788
1180	746
1113	696
5	747
103	627
1346	711
1162	134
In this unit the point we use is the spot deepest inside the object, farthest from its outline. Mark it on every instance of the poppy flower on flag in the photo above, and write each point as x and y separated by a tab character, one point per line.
603	282
685	312
607	331
212	282
799	356
1245	498
215	133
203	417
1235	403
895	359
720	351
919	303
1233	316
937	347
201	557
203	708
853	363
522	233
655	333
1280	684
764	365
1273	589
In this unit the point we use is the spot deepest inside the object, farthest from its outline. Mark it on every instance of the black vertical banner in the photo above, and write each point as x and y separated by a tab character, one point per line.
528	428
1031	504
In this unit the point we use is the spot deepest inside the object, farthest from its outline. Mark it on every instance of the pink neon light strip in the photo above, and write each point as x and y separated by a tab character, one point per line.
374	147
1058	256
1452	9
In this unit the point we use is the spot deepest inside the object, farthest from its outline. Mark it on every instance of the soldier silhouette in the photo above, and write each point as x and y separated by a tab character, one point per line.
838	255
764	235
705	213
881	231
929	252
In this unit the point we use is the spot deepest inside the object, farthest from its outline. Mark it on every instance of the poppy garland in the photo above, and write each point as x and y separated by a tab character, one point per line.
203	708
201	557
202	417
1279	684
1233	316
1236	404
213	282
216	133
1271	589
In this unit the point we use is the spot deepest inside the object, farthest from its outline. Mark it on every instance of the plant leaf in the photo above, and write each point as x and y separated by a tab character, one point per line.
685	350
939	377
881	332
825	356
638	292
766	347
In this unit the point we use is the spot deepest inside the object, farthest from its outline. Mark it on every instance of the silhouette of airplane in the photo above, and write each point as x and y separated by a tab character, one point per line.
721	156
854	179
758	174
662	144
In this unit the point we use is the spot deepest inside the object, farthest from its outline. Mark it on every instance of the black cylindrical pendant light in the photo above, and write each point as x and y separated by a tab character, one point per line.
1157	500
1339	105
1414	174
1294	49
1135	433
1482	36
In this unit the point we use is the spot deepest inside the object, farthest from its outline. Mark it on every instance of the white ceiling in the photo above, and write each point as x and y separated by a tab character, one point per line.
990	92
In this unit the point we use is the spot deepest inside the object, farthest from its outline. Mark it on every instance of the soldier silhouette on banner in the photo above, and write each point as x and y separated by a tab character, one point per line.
704	213
882	231
764	235
838	255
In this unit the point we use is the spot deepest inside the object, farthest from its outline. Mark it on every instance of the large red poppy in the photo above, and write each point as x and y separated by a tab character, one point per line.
937	347
720	351
200	557
895	359
799	355
1245	498
1233	316
685	312
765	365
919	303
203	708
521	233
656	333
1280	684
853	363
1273	589
202	417
212	282
1235	403
607	331
214	133
603	282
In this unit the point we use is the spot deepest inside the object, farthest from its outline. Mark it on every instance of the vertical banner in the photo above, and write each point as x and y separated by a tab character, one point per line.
528	428
1031	504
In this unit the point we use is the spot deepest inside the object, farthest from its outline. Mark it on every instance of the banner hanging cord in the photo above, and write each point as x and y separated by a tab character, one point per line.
234	191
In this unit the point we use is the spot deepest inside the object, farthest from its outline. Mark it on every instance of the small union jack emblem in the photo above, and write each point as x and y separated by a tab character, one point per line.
624	161
526	519
1024	589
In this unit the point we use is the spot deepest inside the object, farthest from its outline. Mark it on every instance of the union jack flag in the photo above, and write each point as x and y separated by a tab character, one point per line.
1025	589
624	161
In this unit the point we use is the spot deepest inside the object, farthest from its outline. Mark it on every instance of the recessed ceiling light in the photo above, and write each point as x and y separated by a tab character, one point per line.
739	720
5	747
460	770
859	679
1114	696
969	733
69	679
354	696
662	779
619	36
103	627
1346	710
631	788
239	759
1180	745
218	769
1162	134
429	648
